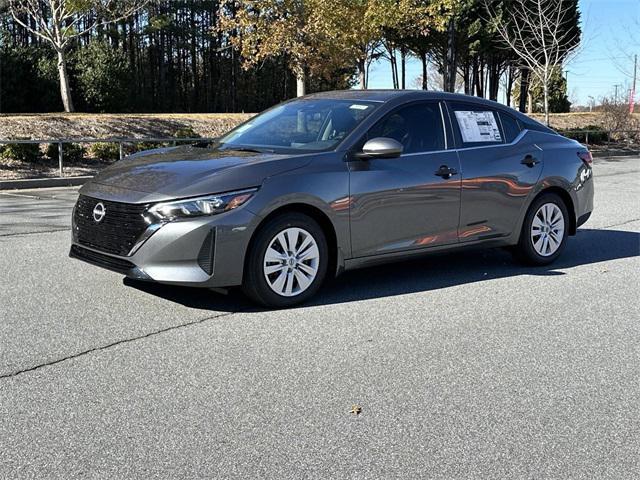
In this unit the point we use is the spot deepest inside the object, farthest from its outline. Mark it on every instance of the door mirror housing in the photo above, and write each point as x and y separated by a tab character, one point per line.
381	147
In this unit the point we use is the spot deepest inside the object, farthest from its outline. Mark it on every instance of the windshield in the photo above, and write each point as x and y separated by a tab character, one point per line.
310	125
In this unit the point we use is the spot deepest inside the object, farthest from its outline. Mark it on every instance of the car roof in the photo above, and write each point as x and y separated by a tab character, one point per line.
388	95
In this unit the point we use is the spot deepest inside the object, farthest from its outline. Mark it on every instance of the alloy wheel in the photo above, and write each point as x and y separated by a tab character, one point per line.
291	262
547	229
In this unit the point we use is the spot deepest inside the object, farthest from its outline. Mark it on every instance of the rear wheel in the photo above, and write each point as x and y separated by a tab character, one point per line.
287	262
544	232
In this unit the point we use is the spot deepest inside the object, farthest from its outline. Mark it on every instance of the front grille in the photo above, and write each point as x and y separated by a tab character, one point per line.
116	233
101	260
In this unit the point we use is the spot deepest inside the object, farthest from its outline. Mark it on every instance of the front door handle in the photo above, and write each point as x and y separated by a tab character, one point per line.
445	172
530	161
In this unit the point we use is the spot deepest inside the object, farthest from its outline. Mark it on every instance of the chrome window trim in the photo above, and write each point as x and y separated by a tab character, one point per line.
497	145
428	152
444	127
516	140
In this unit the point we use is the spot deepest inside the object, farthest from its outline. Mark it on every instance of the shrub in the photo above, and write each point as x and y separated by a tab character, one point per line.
597	134
29	77
22	152
616	115
186	132
142	146
106	152
103	76
71	152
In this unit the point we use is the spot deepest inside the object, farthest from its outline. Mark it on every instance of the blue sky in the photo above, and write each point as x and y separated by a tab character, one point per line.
611	34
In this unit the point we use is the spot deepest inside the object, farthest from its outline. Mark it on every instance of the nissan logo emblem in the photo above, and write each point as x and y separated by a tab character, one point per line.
99	211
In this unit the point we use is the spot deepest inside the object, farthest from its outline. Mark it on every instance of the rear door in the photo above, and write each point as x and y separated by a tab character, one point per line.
407	202
499	169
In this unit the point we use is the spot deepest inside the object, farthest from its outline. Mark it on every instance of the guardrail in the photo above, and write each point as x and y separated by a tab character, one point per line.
594	136
584	136
173	141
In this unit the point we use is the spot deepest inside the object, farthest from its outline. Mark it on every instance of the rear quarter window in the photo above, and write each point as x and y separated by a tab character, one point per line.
510	126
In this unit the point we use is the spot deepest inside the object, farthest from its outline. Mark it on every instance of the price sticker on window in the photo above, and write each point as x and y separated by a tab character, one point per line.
478	127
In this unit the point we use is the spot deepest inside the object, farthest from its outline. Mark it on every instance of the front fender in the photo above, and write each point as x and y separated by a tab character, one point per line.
323	186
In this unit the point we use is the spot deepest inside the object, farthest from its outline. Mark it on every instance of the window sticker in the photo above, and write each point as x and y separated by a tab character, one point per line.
358	106
478	127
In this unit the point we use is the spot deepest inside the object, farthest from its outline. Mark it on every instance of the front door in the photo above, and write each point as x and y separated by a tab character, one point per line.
412	201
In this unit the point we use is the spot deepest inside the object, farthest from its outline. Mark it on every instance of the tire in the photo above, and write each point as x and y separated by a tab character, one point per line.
540	242
304	266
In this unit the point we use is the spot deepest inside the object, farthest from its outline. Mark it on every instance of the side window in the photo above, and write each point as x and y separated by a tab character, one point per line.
510	127
476	125
417	127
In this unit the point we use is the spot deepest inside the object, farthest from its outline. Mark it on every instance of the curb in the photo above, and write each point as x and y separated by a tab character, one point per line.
615	153
43	182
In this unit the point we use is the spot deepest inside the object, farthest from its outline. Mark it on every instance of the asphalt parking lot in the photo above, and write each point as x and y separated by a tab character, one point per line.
464	365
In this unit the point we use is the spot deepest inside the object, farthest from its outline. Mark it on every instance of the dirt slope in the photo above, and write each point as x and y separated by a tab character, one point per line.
54	125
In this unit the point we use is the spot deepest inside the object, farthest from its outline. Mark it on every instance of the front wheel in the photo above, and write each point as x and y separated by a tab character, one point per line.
287	262
544	232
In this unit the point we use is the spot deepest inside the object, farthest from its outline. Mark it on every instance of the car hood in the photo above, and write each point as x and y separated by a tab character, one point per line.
181	172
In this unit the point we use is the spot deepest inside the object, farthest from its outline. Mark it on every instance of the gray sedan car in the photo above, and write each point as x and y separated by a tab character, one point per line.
335	181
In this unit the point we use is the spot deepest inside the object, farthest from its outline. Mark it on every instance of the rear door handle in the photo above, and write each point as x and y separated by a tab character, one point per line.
530	161
445	172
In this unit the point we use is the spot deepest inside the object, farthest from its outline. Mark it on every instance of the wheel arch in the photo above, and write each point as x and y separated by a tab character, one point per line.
336	260
566	198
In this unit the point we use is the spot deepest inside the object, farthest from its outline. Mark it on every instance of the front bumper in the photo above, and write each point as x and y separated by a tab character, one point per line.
200	252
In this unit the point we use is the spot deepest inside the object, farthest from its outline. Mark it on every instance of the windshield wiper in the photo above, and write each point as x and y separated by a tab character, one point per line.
248	149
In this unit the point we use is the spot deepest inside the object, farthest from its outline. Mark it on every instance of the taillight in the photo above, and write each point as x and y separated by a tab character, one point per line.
586	157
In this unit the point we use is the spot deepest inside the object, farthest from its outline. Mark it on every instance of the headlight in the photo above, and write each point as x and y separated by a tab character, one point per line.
197	207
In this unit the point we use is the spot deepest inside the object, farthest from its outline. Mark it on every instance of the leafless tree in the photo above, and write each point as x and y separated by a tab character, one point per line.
540	33
59	22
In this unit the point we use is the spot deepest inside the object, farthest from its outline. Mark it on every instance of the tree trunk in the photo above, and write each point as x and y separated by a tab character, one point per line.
509	86
546	102
362	78
479	78
394	66
524	89
494	78
300	84
451	68
423	58
403	62
65	89
466	77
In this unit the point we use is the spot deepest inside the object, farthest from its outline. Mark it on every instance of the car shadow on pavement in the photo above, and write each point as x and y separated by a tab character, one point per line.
431	272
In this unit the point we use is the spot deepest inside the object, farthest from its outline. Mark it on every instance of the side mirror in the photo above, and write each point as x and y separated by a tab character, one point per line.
381	147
